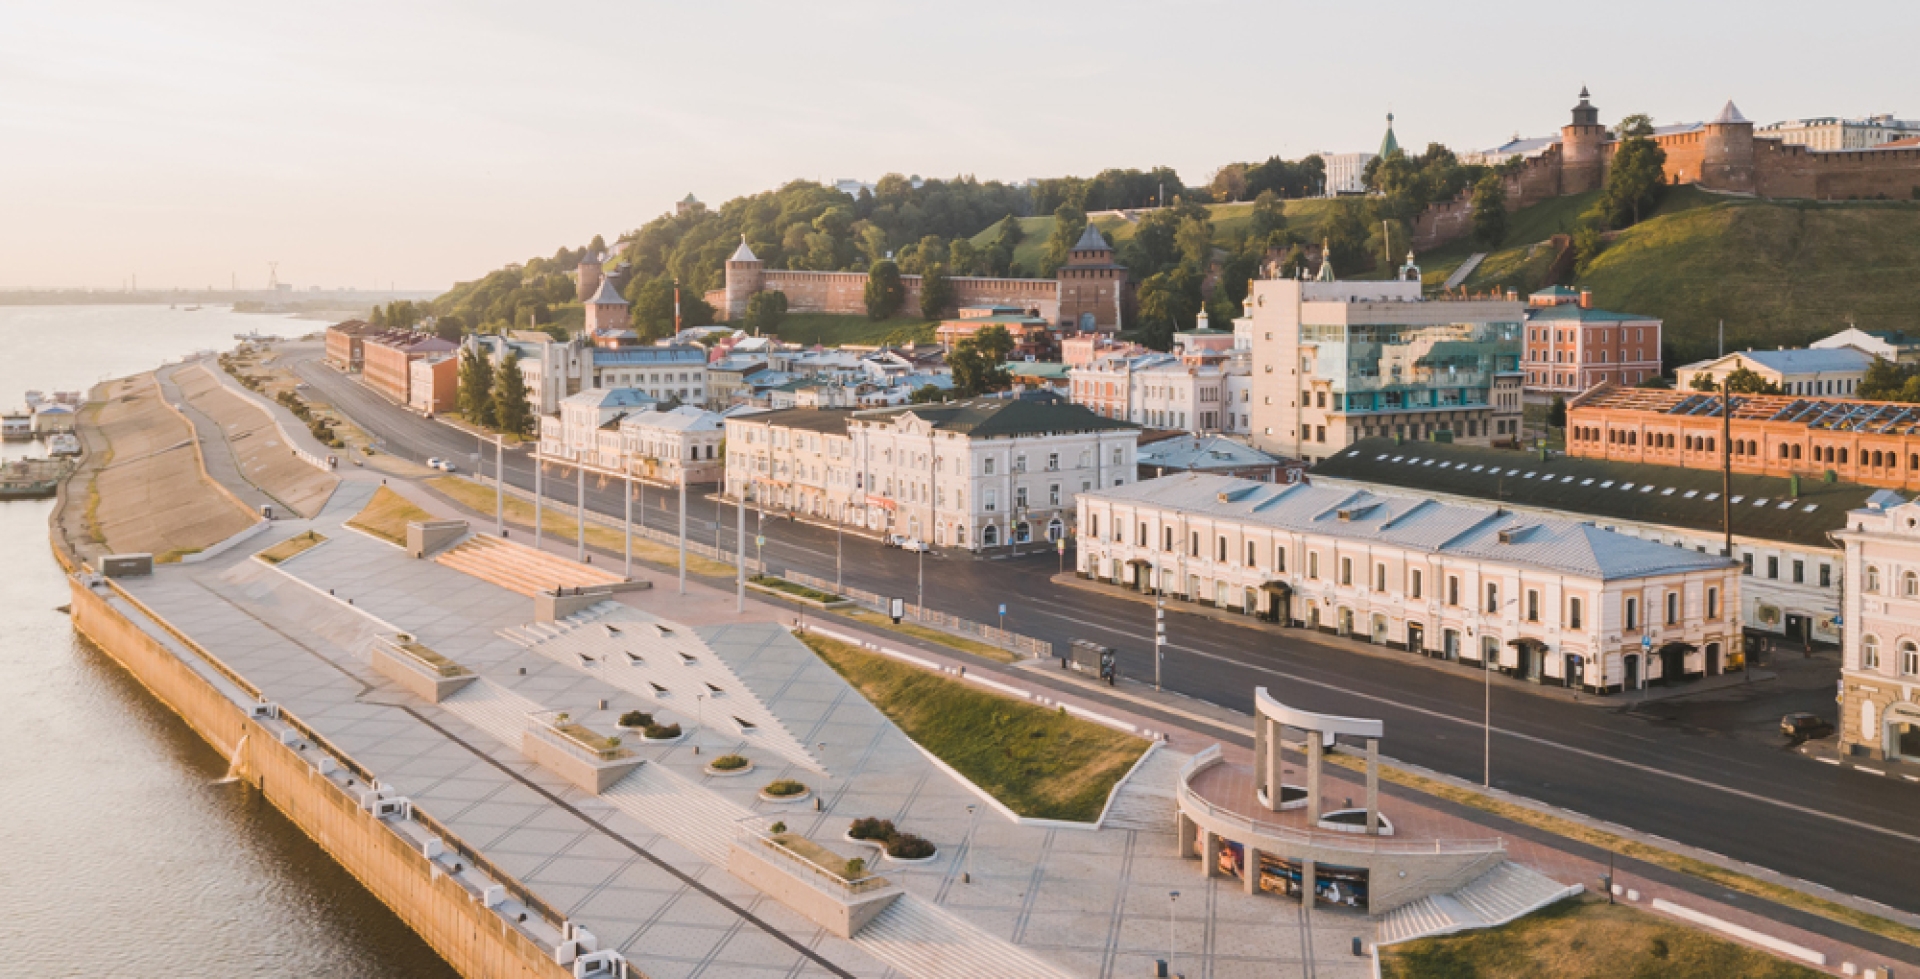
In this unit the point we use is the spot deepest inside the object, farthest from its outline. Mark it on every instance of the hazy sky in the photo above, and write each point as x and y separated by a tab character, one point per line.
421	142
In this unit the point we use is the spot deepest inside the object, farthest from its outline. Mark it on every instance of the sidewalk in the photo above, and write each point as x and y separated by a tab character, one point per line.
1190	726
1355	646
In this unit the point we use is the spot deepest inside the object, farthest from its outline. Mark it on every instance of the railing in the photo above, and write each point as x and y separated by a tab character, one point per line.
508	881
1012	642
1191	802
641	530
546	731
198	650
418	658
812	873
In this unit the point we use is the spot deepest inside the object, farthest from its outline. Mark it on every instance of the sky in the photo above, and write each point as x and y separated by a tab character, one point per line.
421	142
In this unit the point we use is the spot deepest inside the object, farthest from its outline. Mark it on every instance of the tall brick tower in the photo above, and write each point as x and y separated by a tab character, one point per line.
606	313
745	273
1091	287
587	279
1726	152
1583	142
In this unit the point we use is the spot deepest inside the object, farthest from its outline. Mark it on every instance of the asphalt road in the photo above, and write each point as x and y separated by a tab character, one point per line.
1712	774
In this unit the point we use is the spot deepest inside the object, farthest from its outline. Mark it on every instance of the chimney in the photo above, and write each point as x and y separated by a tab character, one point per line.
1586	299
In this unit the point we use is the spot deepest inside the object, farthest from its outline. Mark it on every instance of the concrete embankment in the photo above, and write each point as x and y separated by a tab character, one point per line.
472	927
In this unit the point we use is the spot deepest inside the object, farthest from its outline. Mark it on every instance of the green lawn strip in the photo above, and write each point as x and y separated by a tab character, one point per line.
291	546
386	516
1732	880
796	590
972	647
1585	940
1040	763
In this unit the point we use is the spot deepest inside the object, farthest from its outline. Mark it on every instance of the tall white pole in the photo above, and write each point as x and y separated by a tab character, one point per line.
1159	637
683	531
539	500
580	510
499	486
740	554
629	565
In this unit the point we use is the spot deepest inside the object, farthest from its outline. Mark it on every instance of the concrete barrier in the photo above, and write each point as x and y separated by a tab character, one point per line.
427	536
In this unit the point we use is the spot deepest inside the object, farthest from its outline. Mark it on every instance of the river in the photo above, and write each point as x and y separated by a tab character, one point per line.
118	854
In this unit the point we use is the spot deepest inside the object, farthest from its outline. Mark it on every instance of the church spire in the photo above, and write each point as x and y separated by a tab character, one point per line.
1326	257
1389	145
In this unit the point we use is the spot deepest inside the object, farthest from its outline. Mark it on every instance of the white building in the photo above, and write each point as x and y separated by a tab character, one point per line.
1880	662
1826	371
1549	600
1190	393
1893	346
1346	173
1835	133
587	425
552	369
978	474
665	373
667	446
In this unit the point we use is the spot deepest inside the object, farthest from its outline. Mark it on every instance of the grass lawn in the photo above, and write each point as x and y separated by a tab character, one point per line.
1039	762
386	516
796	590
1585	940
291	546
972	647
1559	826
834	330
519	513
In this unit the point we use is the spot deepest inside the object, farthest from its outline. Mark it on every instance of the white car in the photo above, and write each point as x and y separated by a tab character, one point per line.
914	544
448	467
434	463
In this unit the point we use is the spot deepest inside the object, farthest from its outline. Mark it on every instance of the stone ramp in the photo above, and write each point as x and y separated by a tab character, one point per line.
492	708
264	457
519	568
920	939
273	590
1496	897
1466	269
1146	802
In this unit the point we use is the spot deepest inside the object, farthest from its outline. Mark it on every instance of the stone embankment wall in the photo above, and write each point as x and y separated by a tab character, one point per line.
473	939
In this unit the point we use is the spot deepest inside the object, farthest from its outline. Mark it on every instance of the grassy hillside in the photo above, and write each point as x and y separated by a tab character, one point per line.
1229	222
832	331
1780	273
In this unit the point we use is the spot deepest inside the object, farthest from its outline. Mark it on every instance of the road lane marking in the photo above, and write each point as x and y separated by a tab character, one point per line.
1535	739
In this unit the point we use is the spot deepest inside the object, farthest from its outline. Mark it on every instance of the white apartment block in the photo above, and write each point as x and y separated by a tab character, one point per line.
671	446
666	373
552	369
1835	133
1158	391
1548	600
1346	173
978	474
1880	660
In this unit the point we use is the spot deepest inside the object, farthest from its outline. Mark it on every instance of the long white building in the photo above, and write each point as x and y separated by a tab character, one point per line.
1880	660
1549	600
984	473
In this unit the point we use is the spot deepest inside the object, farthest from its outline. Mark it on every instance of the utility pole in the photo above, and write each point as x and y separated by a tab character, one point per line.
683	530
1726	467
740	553
499	486
1159	636
580	510
539	498
643	512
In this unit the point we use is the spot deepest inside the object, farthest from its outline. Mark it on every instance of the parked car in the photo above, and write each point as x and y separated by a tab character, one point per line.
1803	725
434	463
894	540
914	544
448	467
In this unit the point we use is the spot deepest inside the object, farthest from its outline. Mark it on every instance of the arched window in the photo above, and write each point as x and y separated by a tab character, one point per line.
1873	579
1796	452
1909	658
990	535
1910	585
1843	457
1870	653
1785	452
1753	448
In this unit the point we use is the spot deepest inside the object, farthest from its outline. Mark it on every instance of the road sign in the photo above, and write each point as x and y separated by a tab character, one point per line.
760	540
1003	608
1646	642
897	608
1060	544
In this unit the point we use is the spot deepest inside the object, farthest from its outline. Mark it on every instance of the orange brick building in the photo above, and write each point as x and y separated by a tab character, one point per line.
1873	443
346	343
390	357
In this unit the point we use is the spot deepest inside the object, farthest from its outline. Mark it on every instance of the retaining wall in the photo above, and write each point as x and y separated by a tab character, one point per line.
473	939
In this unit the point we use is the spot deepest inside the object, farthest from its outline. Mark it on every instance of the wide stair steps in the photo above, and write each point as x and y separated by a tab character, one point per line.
1496	897
922	940
1146	802
521	569
681	811
1466	269
534	633
492	708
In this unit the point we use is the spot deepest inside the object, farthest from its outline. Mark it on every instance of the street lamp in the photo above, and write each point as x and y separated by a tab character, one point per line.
966	877
1486	724
1159	636
1173	941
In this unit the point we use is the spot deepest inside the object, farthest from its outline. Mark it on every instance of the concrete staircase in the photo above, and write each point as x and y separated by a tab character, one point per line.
1146	802
920	939
687	814
1496	897
492	708
533	634
518	568
1466	269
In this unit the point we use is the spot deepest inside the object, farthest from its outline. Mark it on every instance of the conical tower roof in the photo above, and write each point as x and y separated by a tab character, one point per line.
607	296
1092	239
1389	145
1729	114
743	253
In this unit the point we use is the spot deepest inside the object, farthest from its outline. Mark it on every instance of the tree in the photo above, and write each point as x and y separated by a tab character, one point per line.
1347	233
476	387
1068	224
1635	179
1703	381
1194	239
1489	210
449	327
885	291
1269	215
1557	413
963	258
1884	381
936	292
927	394
652	309
765	310
979	362
1746	381
1638	124
511	410
1168	302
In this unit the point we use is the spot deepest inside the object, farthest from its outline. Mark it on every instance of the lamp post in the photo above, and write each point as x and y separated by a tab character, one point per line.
683	531
1486	693
966	876
839	534
740	552
580	509
499	486
1173	940
922	599
1159	636
539	499
628	567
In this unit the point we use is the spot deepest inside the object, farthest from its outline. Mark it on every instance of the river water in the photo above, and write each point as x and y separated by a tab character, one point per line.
118	854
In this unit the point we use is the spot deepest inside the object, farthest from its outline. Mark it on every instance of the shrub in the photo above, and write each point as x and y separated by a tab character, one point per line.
729	763
779	828
856	866
907	846
662	732
871	828
636	718
779	787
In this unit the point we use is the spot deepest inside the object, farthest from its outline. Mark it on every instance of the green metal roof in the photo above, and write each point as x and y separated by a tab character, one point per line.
1598	489
1568	312
990	417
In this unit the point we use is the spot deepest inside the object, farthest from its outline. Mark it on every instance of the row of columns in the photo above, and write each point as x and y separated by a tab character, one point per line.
1267	770
1250	873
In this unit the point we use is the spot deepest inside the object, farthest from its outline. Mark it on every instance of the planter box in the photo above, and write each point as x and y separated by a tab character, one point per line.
729	772
801	797
428	676
800	599
787	878
582	766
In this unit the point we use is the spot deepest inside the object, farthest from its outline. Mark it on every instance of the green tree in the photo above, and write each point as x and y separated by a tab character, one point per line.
1635	180
885	292
511	410
1269	214
979	362
1168	302
1068	224
1557	413
963	258
1194	239
476	387
1489	210
927	394
1346	235
765	310
1884	381
449	327
652	309
1638	124
1703	381
377	318
936	292
1746	381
